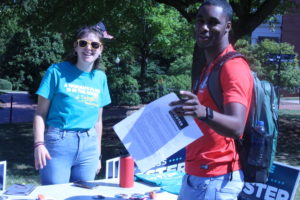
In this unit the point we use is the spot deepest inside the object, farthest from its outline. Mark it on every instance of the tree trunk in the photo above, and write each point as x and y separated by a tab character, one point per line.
144	65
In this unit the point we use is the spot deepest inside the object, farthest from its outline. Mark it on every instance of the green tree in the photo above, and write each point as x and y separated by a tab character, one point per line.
248	14
124	90
146	32
28	56
152	37
8	24
258	57
150	33
175	83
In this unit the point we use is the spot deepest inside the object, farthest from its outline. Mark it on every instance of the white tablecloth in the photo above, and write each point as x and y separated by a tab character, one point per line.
107	187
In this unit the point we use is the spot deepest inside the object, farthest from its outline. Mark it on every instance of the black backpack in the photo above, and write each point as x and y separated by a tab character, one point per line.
256	148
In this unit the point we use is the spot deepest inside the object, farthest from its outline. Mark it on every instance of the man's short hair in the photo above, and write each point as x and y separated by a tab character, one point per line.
220	3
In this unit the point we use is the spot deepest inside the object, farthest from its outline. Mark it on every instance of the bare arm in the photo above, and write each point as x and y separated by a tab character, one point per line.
40	152
231	123
99	129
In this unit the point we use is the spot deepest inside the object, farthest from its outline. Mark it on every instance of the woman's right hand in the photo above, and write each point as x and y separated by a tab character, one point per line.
41	155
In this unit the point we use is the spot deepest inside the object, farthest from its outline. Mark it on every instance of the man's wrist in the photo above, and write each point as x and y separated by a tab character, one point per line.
209	115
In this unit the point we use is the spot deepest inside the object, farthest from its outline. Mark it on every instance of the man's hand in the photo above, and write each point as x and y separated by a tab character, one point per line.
188	105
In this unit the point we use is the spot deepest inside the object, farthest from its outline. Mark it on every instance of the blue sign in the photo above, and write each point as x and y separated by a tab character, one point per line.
282	185
173	163
276	58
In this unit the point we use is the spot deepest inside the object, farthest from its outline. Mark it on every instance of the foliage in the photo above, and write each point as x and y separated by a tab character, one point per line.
124	90
249	12
170	30
28	55
258	57
182	65
176	82
151	34
163	84
146	32
8	26
152	89
5	85
152	38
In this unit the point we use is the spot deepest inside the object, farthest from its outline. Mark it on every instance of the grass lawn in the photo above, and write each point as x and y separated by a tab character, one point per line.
16	148
289	98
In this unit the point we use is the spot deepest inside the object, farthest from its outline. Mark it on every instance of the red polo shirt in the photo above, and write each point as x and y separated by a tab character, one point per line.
214	154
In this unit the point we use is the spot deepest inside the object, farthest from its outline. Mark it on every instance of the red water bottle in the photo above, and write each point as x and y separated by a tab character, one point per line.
126	171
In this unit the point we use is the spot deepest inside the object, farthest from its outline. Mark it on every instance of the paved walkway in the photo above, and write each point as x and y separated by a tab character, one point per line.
16	107
23	108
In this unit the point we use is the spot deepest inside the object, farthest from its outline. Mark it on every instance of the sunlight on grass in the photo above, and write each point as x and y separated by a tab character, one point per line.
289	114
295	113
290	98
11	179
22	167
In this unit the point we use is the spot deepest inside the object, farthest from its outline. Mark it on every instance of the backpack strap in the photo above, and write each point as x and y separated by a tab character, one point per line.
198	65
214	82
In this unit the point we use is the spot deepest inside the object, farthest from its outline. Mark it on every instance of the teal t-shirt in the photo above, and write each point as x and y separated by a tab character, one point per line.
75	96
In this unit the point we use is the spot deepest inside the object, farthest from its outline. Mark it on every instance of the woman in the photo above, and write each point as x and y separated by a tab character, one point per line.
71	97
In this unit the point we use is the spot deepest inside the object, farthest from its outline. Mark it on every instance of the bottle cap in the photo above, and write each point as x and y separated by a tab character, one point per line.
260	123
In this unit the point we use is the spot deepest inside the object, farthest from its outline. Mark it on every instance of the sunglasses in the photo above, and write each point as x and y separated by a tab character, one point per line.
84	43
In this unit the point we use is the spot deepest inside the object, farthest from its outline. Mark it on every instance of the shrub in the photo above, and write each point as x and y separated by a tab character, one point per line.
28	55
176	82
182	65
257	56
124	90
5	85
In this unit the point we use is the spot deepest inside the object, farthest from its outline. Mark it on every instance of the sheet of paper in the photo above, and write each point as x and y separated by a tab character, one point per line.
154	132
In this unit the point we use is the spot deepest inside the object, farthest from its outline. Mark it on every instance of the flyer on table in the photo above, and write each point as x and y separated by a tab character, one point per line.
154	132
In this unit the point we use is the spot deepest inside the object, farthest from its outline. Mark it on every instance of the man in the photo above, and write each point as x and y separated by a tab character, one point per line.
212	164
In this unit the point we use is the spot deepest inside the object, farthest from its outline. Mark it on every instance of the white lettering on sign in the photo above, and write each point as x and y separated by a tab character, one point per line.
271	193
282	195
175	167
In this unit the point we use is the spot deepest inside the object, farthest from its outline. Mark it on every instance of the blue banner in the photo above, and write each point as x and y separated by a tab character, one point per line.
282	185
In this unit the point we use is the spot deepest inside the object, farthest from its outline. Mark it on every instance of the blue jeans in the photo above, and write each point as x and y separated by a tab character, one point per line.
212	188
75	156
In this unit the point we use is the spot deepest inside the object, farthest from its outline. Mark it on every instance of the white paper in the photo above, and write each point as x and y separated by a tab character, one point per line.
151	134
